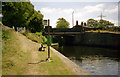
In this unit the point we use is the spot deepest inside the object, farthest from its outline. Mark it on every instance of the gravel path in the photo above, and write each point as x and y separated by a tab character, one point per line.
32	48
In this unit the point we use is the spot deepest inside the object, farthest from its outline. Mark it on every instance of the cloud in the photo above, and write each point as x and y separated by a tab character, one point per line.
74	0
88	12
80	14
114	21
56	10
113	10
91	9
67	11
54	13
48	10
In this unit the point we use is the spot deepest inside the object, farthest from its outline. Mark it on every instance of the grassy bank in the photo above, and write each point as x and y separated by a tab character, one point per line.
12	53
36	37
21	57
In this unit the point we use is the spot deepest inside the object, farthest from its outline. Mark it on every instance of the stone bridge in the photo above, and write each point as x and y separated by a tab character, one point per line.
77	29
78	36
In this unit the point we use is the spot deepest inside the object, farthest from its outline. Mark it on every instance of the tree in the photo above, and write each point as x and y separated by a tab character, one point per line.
101	23
16	13
100	26
62	23
105	22
35	23
92	23
22	14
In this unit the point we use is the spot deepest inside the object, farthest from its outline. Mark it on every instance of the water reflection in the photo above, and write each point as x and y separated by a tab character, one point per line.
96	61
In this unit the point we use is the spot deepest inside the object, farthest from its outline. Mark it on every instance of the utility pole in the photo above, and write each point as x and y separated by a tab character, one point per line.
101	16
73	18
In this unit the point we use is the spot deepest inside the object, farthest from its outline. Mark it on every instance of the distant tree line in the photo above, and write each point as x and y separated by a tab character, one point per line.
103	24
22	14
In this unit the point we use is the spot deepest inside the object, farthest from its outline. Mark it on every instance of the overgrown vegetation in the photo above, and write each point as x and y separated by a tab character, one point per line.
5	35
58	39
36	37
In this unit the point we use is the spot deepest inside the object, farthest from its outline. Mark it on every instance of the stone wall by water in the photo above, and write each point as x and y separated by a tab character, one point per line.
94	39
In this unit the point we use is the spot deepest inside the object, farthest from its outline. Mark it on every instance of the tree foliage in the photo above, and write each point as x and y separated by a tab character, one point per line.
92	23
105	22
22	14
62	23
99	24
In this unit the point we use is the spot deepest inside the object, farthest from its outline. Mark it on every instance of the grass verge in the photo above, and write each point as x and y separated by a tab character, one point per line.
18	52
12	53
36	37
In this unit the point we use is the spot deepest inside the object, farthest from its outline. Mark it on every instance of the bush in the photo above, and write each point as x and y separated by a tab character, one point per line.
5	35
36	37
100	26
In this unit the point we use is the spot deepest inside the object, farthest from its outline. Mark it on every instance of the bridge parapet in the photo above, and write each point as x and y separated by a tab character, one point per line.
77	28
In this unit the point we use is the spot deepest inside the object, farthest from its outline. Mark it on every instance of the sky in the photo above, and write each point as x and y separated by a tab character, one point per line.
74	0
83	10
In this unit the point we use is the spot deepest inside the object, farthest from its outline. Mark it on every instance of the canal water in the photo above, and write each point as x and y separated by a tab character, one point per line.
96	61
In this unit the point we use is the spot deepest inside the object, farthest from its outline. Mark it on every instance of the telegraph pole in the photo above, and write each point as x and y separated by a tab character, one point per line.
101	16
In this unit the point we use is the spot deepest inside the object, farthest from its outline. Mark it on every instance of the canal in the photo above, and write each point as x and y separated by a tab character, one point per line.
94	60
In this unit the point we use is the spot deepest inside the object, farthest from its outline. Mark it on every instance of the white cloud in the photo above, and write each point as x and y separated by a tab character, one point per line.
54	13
114	21
48	10
96	8
56	10
113	10
74	0
80	14
90	9
67	11
88	12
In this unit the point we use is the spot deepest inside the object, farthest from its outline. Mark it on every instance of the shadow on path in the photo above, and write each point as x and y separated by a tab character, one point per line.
39	62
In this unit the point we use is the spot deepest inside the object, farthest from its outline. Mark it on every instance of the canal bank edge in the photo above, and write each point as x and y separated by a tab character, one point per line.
69	63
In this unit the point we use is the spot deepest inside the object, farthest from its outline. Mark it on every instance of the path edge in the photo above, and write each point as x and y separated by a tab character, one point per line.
74	67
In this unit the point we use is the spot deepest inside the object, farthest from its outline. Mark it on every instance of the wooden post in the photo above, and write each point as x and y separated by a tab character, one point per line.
48	39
